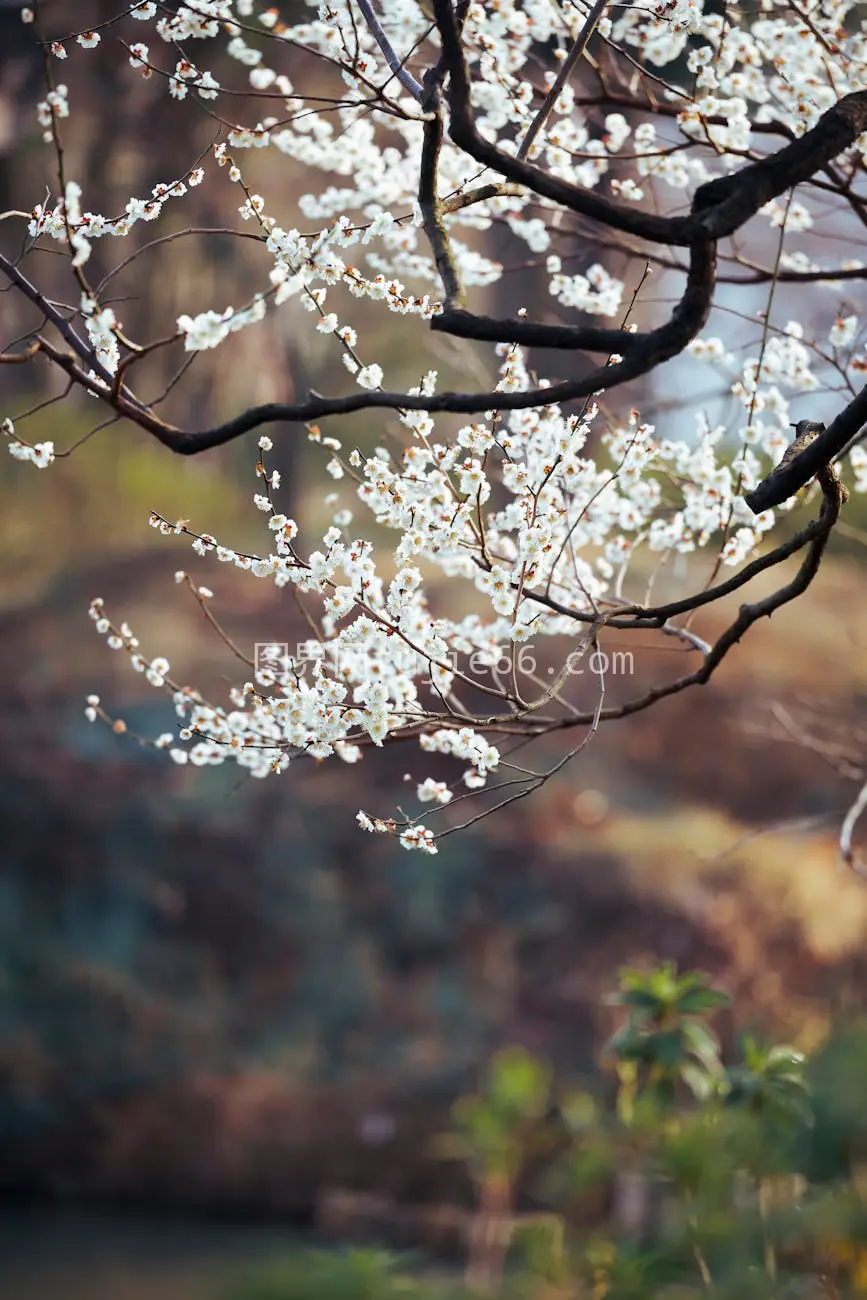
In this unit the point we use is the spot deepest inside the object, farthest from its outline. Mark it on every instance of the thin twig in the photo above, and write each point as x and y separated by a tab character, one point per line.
847	853
406	79
562	77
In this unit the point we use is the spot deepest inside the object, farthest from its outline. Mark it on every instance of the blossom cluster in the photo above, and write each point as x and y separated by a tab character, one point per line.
546	518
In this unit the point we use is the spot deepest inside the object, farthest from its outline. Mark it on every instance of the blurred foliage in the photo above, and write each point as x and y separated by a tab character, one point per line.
355	1275
320	1275
746	1179
165	931
664	1040
489	1125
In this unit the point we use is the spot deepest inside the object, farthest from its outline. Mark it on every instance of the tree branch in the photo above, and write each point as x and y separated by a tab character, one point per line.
406	79
578	48
833	496
784	481
726	203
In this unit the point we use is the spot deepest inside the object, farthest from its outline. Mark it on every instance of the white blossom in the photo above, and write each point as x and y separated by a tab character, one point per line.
535	518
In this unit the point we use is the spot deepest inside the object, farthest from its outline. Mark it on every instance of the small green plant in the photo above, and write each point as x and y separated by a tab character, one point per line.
325	1275
736	1196
665	1041
493	1129
701	1156
770	1084
345	1275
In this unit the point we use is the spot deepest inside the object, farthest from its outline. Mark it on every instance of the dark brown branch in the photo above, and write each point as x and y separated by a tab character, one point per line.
18	358
718	208
833	496
637	617
762	274
657	346
784	481
81	349
578	47
395	63
429	202
725	203
641	353
462	129
738	197
464	325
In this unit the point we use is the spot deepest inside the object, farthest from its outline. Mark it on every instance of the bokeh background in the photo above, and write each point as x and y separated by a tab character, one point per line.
223	1011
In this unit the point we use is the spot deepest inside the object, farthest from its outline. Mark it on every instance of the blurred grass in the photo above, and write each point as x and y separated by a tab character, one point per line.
96	504
352	1275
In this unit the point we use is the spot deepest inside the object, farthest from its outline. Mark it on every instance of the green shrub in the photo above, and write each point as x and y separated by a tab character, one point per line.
698	1178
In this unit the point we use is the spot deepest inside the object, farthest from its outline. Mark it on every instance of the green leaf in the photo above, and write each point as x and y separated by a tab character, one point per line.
661	994
703	1044
785	1057
483	1128
519	1083
700	1083
702	1001
666	1049
541	1241
628	1043
579	1110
